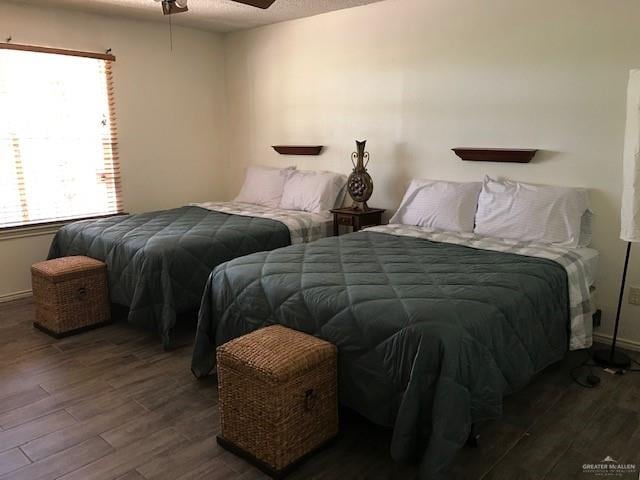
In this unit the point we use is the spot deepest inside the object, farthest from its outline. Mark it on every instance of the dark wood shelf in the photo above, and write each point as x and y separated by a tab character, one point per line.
511	155
298	149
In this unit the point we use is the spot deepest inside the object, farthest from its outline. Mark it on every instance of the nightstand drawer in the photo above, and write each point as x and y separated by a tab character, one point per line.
357	219
345	220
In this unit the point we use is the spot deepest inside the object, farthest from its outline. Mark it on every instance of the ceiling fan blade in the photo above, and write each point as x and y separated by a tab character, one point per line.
264	4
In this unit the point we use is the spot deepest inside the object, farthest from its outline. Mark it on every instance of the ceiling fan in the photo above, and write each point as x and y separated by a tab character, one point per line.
264	4
169	7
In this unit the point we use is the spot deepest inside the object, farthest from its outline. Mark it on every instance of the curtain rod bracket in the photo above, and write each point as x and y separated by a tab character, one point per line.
108	51
9	39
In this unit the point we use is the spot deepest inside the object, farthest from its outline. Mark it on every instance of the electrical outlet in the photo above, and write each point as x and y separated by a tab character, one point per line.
634	295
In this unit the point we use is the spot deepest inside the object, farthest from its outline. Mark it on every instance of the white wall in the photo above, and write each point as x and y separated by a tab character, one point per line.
414	77
170	107
418	77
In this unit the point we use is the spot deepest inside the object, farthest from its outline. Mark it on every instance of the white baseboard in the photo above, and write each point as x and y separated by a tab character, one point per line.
9	297
622	342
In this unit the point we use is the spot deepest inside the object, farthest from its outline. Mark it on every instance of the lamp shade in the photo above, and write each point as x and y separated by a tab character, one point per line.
630	225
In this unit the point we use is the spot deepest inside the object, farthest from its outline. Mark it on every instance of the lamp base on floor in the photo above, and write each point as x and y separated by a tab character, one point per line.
617	360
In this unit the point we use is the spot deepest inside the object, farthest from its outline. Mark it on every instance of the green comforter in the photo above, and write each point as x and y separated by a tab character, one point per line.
431	336
158	262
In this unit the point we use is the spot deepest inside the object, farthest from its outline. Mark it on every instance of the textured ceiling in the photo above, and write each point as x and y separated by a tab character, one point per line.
214	15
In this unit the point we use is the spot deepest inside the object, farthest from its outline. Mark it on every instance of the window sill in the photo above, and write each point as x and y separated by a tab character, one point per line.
39	230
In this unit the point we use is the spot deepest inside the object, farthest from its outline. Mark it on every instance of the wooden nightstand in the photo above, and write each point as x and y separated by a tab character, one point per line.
358	219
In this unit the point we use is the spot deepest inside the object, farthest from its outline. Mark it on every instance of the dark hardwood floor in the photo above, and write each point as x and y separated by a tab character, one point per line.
111	404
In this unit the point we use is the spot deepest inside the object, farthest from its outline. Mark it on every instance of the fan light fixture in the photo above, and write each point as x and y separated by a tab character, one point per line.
169	7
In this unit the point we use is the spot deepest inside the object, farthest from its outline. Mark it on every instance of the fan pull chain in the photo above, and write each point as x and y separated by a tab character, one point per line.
170	34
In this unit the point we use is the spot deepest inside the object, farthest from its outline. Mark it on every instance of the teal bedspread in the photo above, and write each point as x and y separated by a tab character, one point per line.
158	262
431	336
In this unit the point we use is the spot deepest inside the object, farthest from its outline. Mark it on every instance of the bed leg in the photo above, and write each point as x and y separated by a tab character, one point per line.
474	438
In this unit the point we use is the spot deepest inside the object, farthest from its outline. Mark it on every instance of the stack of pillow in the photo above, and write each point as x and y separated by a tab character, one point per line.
503	209
291	189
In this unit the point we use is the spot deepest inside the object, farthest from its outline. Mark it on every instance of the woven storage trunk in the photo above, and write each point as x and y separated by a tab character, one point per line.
70	294
278	397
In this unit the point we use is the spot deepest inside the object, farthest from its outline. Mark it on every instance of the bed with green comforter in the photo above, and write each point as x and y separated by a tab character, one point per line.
158	262
431	335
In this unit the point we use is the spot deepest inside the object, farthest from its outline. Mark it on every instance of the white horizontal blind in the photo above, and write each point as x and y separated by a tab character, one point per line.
58	143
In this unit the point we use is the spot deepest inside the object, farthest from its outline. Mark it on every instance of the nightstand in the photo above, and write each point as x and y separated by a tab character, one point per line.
357	219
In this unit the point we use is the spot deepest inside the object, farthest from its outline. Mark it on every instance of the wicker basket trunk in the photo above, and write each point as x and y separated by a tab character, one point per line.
70	294
278	397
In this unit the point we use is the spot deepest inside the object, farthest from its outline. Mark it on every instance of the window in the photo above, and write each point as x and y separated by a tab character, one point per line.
58	145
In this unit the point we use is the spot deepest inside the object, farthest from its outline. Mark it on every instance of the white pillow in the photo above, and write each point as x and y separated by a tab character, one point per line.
264	185
535	213
312	191
441	205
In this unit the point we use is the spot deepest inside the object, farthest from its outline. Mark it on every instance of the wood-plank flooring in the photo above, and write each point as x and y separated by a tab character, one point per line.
111	404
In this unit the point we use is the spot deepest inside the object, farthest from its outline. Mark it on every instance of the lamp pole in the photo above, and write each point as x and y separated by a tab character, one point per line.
609	357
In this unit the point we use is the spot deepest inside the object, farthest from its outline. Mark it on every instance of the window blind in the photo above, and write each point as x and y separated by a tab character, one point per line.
58	138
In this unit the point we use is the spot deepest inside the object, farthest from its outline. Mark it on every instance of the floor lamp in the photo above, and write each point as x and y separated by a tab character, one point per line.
630	215
609	357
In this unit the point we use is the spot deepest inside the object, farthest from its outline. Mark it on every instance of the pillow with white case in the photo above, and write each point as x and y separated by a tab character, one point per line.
264	185
534	213
441	205
312	191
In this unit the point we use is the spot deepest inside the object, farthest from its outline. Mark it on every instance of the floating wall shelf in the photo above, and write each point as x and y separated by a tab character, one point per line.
518	155
298	149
